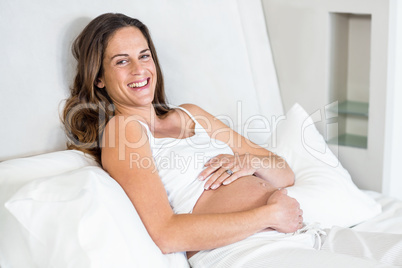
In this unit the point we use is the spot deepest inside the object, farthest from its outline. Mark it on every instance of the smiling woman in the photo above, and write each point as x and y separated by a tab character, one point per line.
118	113
90	107
129	73
117	110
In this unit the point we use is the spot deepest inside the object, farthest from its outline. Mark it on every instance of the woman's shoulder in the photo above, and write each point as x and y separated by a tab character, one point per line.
125	126
205	119
194	109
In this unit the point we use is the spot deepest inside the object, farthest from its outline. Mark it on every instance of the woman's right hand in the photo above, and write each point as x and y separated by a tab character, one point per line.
286	212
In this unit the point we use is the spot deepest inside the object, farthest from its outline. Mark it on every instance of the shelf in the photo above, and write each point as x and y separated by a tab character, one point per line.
350	140
352	108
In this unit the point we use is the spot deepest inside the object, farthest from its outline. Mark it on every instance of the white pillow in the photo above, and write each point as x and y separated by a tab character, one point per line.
323	187
14	249
83	218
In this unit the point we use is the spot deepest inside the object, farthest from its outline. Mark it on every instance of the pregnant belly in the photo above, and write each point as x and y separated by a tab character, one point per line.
243	194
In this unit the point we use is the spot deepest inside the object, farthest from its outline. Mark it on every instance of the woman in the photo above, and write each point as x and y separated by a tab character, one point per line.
118	113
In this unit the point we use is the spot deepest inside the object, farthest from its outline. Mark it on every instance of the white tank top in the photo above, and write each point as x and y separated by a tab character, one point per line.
180	161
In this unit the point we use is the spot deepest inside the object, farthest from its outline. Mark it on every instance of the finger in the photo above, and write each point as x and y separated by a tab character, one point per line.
206	173
284	191
216	168
213	160
213	178
300	219
234	176
210	181
222	178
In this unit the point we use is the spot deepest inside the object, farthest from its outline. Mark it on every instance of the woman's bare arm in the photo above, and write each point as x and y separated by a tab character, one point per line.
181	232
261	162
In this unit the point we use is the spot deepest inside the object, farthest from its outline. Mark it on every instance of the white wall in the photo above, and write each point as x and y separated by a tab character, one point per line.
214	53
392	183
300	38
297	31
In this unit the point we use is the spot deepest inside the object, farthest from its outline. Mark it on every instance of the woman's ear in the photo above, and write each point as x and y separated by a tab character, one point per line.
99	83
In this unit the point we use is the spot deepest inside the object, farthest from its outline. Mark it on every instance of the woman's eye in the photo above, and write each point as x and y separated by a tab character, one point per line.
145	56
120	62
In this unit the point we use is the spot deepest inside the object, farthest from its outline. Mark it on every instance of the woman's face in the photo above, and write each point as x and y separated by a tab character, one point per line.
129	72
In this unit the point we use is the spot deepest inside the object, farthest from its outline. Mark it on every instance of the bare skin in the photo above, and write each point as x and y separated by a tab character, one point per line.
246	193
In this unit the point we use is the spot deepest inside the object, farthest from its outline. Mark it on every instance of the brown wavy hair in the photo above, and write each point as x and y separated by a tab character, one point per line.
89	108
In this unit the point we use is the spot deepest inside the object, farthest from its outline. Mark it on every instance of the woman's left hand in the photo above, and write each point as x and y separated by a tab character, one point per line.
226	168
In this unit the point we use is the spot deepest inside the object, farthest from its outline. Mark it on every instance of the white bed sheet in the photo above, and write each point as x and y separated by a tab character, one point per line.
389	220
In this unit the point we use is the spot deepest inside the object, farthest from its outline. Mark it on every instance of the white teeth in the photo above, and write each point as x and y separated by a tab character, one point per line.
141	84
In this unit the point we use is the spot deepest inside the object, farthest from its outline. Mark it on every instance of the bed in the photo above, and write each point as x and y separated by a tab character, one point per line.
60	209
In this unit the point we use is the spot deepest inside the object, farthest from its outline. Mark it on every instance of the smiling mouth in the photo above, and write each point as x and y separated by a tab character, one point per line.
139	84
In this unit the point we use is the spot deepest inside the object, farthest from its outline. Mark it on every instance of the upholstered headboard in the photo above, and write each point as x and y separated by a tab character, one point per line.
214	53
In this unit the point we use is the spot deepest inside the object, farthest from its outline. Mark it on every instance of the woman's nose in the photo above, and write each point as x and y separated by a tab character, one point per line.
137	68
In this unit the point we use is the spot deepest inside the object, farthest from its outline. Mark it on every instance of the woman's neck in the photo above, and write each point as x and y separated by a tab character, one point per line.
146	114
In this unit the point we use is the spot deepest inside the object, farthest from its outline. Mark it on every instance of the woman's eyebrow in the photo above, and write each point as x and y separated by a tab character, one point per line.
145	50
126	55
119	55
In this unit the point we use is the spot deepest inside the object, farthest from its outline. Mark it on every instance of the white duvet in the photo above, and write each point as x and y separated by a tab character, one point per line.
374	243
